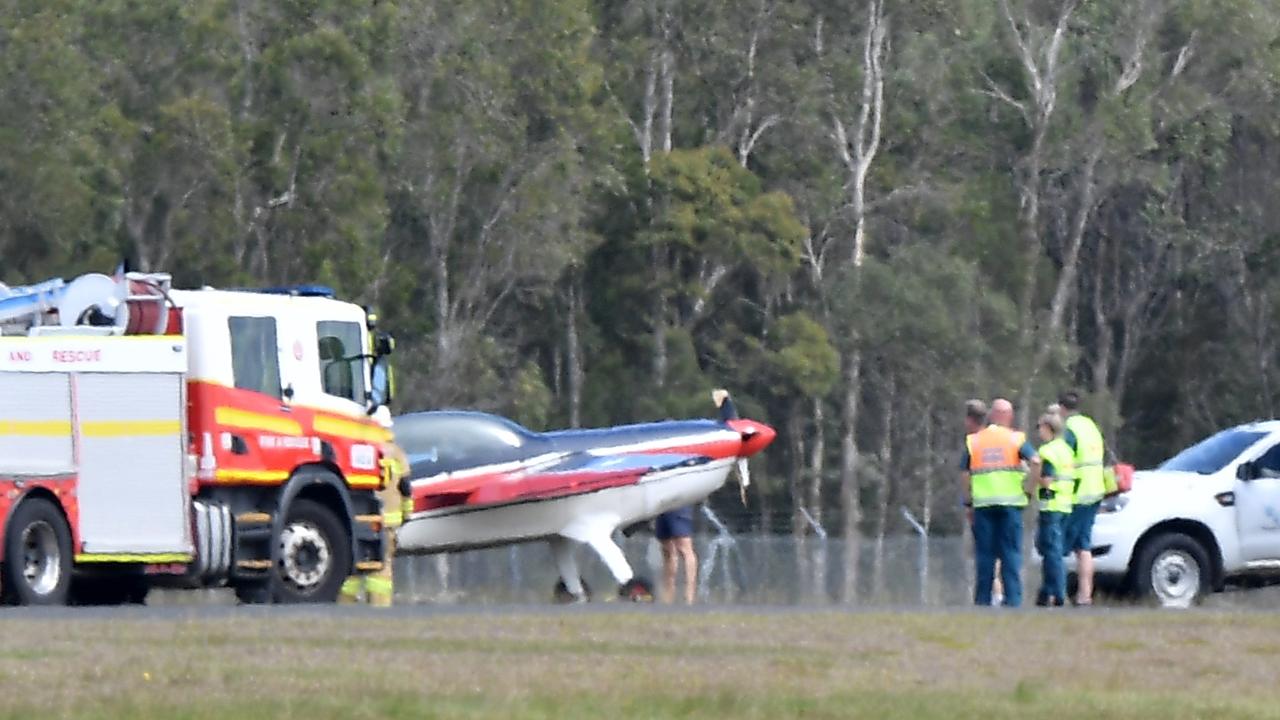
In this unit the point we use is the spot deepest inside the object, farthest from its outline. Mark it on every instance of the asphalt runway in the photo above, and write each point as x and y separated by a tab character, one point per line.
188	609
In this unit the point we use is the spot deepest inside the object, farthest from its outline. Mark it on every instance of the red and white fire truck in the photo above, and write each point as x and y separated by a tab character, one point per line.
189	438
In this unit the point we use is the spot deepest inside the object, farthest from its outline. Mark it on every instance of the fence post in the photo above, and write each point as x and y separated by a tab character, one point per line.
819	558
724	540
924	554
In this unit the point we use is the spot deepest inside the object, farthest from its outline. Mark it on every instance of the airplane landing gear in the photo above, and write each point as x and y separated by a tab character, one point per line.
562	595
637	589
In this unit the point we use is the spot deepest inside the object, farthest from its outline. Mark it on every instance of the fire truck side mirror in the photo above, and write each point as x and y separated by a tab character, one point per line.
383	344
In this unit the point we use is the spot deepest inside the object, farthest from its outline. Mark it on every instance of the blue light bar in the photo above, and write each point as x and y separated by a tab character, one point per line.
299	291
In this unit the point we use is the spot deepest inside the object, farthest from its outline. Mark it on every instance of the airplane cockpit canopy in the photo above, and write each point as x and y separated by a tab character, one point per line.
445	441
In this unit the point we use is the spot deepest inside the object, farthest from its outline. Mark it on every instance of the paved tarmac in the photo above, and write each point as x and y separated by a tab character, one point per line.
221	604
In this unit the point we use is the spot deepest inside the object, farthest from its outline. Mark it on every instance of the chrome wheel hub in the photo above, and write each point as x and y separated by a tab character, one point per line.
305	555
1175	578
41	561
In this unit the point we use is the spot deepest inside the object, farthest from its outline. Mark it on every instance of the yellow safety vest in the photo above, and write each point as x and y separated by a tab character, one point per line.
1091	485
995	467
1058	452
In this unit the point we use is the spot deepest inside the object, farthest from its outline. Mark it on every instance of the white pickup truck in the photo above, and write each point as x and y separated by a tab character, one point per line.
1208	516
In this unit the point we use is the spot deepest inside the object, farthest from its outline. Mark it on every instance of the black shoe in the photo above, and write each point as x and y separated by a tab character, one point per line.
1042	601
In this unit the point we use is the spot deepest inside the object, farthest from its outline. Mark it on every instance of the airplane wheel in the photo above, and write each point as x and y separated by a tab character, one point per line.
637	589
564	597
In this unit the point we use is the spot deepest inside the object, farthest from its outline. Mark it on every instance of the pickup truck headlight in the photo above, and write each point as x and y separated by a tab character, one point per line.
1113	504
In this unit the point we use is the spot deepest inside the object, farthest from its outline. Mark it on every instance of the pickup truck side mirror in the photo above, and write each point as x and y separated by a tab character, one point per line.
1246	471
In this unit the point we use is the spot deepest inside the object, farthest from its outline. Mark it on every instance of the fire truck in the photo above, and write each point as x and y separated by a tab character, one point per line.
151	436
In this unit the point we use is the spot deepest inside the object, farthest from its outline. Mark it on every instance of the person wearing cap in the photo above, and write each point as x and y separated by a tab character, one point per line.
1057	483
975	418
993	486
1084	438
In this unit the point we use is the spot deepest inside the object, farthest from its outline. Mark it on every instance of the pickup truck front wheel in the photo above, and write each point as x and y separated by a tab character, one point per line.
1172	571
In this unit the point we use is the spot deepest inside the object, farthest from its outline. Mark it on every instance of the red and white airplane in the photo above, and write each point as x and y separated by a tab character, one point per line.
479	481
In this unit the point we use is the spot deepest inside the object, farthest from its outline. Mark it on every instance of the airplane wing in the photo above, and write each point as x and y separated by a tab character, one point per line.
575	473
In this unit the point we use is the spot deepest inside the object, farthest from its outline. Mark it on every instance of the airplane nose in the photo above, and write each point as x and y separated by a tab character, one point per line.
756	436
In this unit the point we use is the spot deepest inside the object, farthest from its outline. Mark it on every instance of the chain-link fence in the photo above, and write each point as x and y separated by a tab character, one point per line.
747	569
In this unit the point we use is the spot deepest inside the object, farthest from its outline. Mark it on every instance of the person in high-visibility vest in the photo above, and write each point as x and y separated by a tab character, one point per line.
975	418
992	484
1057	484
1085	440
379	588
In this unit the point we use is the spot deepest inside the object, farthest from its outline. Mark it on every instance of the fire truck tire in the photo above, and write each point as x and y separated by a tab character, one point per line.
314	555
37	555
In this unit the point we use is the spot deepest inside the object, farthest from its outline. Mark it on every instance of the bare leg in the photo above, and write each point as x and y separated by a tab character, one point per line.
1084	577
685	546
669	560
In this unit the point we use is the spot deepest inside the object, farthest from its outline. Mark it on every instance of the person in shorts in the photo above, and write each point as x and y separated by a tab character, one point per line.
674	530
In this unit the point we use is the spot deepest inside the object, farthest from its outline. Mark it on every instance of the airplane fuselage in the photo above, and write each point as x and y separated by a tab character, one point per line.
480	481
472	527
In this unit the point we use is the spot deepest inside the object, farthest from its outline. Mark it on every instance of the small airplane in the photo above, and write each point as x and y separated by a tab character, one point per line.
478	481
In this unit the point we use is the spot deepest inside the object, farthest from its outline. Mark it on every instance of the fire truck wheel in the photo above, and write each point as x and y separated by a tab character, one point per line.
37	555
314	555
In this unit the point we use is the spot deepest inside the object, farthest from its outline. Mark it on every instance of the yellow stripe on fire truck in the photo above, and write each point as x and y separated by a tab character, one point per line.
130	428
251	476
234	417
35	428
150	558
364	481
350	429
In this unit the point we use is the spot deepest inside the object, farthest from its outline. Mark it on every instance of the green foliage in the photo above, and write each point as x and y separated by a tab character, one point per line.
475	170
802	360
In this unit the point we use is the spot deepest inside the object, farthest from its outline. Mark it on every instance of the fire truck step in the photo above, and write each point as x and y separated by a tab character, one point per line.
252	535
253	518
254	564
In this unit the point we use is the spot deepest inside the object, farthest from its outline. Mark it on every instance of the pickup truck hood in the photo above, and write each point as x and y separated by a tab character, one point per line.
1164	481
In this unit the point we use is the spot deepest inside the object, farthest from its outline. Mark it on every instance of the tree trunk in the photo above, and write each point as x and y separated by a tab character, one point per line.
858	153
1066	282
799	525
666	73
1103	336
817	462
850	497
660	357
884	485
573	351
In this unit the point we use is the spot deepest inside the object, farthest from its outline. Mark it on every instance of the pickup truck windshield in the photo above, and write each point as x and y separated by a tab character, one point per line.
1213	453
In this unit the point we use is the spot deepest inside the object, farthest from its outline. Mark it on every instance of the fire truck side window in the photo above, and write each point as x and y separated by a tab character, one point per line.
341	359
255	359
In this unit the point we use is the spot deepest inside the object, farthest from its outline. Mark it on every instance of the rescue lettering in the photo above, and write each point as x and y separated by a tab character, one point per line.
77	356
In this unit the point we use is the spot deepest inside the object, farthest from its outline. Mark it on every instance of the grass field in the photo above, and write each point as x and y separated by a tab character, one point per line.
643	664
